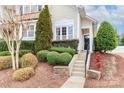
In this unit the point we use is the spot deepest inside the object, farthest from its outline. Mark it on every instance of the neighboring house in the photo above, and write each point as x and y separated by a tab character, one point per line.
68	22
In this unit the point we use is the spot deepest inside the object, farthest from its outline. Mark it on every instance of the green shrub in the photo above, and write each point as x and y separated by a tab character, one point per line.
62	50
42	55
27	45
66	43
5	62
64	59
28	60
3	46
5	53
52	58
23	52
106	38
55	58
122	40
23	74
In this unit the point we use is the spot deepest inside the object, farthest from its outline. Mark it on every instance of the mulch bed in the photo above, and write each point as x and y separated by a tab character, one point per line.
116	82
43	78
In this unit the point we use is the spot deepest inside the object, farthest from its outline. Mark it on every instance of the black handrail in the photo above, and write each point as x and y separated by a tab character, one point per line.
87	52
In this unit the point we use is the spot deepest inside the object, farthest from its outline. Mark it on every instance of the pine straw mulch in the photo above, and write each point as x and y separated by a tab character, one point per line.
43	78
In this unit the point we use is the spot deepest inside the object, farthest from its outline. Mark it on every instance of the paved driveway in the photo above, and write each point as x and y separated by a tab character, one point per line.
119	51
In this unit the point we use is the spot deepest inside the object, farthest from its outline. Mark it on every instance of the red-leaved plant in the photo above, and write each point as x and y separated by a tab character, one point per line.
98	59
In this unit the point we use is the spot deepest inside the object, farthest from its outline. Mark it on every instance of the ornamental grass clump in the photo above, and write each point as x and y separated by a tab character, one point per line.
109	68
5	62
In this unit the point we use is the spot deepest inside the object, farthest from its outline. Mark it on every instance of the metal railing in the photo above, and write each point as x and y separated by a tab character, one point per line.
87	52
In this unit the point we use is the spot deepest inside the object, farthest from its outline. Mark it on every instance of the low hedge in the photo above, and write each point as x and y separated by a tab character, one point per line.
66	43
21	53
23	74
5	53
28	60
29	44
42	55
62	50
55	58
25	45
5	62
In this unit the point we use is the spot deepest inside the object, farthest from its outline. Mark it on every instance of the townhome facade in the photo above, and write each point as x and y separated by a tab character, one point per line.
68	22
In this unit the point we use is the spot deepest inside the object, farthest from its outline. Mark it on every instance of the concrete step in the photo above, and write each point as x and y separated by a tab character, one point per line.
78	73
78	69
79	65
80	62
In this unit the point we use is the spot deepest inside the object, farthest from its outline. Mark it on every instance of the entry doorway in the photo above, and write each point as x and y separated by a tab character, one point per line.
86	41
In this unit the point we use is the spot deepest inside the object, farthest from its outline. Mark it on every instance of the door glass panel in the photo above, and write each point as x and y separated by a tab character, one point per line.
64	33
70	32
58	33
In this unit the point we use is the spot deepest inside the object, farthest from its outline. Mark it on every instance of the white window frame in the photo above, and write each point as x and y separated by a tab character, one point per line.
64	23
33	37
30	7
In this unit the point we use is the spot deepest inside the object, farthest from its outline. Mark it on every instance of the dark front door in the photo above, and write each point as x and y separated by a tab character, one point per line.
86	41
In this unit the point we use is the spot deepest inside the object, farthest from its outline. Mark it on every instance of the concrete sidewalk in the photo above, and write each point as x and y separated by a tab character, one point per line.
74	82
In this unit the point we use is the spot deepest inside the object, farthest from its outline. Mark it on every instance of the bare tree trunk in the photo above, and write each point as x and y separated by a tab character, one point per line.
17	55
13	61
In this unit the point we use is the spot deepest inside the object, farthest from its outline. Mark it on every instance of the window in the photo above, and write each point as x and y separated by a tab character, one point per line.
26	9
58	33
70	31
31	8
39	7
34	8
64	33
64	29
30	32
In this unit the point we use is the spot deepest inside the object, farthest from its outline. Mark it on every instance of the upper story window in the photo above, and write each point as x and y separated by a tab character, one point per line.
30	32
31	8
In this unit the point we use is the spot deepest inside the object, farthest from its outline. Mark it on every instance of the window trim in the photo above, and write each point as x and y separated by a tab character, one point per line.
30	8
64	23
33	37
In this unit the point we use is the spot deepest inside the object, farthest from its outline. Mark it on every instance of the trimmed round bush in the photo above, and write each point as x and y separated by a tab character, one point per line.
23	74
55	58
42	55
64	59
28	60
52	58
62	50
5	62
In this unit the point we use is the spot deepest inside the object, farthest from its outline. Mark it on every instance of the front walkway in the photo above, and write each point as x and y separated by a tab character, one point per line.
74	82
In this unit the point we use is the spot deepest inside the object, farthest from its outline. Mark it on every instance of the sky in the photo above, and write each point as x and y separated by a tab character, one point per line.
112	13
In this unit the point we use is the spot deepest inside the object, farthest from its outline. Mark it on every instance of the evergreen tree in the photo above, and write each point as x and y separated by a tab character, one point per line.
106	37
44	35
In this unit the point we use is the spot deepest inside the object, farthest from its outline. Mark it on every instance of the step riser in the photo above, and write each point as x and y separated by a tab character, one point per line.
81	70
75	74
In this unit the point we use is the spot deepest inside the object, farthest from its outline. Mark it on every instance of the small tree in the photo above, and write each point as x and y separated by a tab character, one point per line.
11	33
106	38
44	33
122	40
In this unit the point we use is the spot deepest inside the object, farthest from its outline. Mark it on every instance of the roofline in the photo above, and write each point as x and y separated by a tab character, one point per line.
90	18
